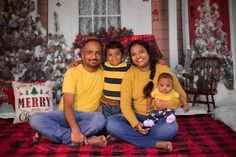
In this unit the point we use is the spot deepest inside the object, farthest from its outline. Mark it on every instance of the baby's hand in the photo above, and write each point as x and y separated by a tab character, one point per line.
186	108
185	103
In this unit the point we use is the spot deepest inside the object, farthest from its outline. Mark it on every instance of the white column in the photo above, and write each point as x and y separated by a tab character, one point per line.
232	20
185	25
173	40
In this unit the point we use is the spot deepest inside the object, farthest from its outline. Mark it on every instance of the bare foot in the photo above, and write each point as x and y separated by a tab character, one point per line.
39	137
99	141
167	145
112	138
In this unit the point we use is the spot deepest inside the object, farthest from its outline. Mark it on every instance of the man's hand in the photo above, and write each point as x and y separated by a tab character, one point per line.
78	138
141	130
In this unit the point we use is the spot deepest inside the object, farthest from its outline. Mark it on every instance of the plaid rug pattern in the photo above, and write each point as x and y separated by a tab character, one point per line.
198	136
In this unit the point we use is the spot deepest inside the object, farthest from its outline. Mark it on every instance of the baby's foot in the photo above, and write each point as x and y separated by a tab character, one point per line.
170	119
112	138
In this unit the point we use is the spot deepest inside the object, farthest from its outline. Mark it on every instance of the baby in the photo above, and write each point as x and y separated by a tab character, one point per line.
164	91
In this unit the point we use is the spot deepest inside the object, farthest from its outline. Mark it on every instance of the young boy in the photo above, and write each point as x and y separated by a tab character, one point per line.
164	91
114	70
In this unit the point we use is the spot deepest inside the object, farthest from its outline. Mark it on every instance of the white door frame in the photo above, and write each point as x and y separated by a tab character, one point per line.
232	21
173	39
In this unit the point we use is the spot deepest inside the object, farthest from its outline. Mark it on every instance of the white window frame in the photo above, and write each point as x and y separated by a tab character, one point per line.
135	15
104	15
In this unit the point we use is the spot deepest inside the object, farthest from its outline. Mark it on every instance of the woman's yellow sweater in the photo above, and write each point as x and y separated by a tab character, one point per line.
132	97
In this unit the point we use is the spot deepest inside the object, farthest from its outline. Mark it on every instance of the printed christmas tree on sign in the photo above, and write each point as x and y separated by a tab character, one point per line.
210	40
34	91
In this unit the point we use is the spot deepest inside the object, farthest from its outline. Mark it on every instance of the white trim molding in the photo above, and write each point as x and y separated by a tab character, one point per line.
232	21
173	40
185	25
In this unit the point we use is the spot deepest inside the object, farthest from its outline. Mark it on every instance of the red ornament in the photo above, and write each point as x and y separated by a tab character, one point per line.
155	15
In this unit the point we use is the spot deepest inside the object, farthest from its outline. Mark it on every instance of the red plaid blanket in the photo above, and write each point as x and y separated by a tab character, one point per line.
199	136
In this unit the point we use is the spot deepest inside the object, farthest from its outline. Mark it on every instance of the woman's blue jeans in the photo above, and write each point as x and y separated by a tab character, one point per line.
54	126
119	127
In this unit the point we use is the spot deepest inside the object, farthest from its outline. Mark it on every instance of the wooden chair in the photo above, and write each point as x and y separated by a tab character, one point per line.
203	80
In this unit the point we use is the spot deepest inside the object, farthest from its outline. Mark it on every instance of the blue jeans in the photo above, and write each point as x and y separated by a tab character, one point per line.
119	127
108	110
54	126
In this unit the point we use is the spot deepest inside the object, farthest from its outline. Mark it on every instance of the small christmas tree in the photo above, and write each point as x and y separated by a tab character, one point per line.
26	54
210	41
22	42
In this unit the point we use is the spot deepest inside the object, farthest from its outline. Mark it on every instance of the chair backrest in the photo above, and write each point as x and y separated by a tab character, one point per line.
205	73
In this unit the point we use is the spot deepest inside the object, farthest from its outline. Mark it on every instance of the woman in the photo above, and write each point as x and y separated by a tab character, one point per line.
136	87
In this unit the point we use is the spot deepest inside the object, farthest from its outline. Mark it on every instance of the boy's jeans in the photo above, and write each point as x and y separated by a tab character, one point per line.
110	110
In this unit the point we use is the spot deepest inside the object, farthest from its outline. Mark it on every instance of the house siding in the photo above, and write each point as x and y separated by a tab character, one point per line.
161	31
159	27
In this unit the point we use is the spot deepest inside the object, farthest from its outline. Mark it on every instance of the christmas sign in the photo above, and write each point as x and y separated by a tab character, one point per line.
31	98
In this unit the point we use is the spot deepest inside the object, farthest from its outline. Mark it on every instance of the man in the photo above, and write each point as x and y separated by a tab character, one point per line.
76	121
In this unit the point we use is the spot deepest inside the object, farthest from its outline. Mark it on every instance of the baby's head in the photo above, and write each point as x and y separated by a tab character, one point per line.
114	52
165	82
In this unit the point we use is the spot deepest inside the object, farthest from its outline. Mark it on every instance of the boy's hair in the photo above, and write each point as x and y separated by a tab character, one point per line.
114	45
165	75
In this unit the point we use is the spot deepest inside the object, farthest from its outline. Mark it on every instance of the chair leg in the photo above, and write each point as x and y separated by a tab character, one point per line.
208	104
194	98
213	101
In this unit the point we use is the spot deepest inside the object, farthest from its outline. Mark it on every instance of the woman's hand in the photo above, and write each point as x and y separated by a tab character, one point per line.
141	130
161	104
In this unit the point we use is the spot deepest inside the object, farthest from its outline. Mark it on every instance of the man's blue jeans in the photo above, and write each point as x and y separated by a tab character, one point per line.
119	127
54	126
